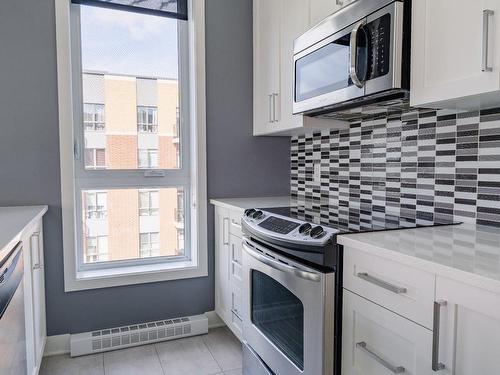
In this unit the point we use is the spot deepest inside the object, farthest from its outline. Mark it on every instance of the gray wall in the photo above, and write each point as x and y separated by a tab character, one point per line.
238	164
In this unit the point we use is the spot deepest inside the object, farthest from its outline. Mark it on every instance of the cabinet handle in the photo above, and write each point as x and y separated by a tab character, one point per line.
38	264
382	283
275	114
225	231
270	96
394	369
436	365
486	39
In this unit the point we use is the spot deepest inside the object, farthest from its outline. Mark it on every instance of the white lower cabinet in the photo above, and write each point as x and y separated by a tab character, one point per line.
228	277
469	329
34	297
376	341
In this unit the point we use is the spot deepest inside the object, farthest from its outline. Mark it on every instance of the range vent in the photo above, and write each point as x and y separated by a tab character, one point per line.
137	334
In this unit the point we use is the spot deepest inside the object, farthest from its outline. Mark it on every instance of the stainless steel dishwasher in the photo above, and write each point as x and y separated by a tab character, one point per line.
12	321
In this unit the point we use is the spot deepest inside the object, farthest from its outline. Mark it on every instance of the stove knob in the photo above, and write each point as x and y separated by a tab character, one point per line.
305	228
249	212
257	214
316	232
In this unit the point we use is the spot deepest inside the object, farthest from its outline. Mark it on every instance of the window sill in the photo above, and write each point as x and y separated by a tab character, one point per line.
120	276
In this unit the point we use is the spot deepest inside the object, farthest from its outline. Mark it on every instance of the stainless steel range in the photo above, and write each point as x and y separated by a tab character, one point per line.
292	280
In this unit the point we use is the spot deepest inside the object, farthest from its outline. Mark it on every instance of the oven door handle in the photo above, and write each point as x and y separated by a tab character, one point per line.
303	274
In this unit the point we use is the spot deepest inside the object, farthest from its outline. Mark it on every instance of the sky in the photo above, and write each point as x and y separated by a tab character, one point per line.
128	43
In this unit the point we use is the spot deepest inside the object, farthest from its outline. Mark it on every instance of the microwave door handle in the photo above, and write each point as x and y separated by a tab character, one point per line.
354	54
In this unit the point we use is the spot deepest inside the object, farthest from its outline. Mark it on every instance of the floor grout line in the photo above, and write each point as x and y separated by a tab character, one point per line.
159	359
212	354
103	366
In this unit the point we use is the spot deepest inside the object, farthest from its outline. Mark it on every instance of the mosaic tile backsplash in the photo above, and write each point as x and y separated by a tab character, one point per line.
421	165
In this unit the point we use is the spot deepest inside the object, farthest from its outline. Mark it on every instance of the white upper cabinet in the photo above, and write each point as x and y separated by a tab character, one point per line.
277	23
266	55
320	9
455	53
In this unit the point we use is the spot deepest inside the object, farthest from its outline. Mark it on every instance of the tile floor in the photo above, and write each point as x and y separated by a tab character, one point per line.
218	352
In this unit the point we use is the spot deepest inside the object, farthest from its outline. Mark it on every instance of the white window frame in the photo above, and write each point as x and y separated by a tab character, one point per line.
197	264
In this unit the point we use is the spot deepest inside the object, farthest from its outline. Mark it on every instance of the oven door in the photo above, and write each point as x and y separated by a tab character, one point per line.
288	314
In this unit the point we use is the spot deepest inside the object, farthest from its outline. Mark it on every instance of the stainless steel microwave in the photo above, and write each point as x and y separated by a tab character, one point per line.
355	61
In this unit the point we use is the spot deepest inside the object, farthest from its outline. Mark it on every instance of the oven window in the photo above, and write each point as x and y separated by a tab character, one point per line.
324	70
279	315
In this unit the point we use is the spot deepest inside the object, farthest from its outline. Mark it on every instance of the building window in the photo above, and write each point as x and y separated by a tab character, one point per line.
97	205
179	213
149	203
93	116
96	249
149	245
95	158
180	240
147	120
148	158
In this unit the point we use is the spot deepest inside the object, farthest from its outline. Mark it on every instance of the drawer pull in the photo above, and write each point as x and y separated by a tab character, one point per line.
394	369
235	312
236	224
382	283
436	365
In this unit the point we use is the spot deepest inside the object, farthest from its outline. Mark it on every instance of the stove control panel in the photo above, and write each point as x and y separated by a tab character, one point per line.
285	228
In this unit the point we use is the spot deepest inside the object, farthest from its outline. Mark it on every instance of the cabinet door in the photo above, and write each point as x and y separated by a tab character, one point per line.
294	22
376	341
38	293
469	329
266	34
448	45
320	9
222	256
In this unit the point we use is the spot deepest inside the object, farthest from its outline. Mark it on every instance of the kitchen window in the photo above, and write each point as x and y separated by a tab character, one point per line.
147	120
149	203
132	164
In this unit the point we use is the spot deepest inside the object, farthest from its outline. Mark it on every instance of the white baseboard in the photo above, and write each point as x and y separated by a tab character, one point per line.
56	345
214	321
60	344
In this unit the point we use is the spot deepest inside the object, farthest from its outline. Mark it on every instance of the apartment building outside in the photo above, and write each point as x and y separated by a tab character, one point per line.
131	123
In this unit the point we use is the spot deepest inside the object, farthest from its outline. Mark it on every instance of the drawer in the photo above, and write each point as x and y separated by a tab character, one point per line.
404	290
235	223
377	341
